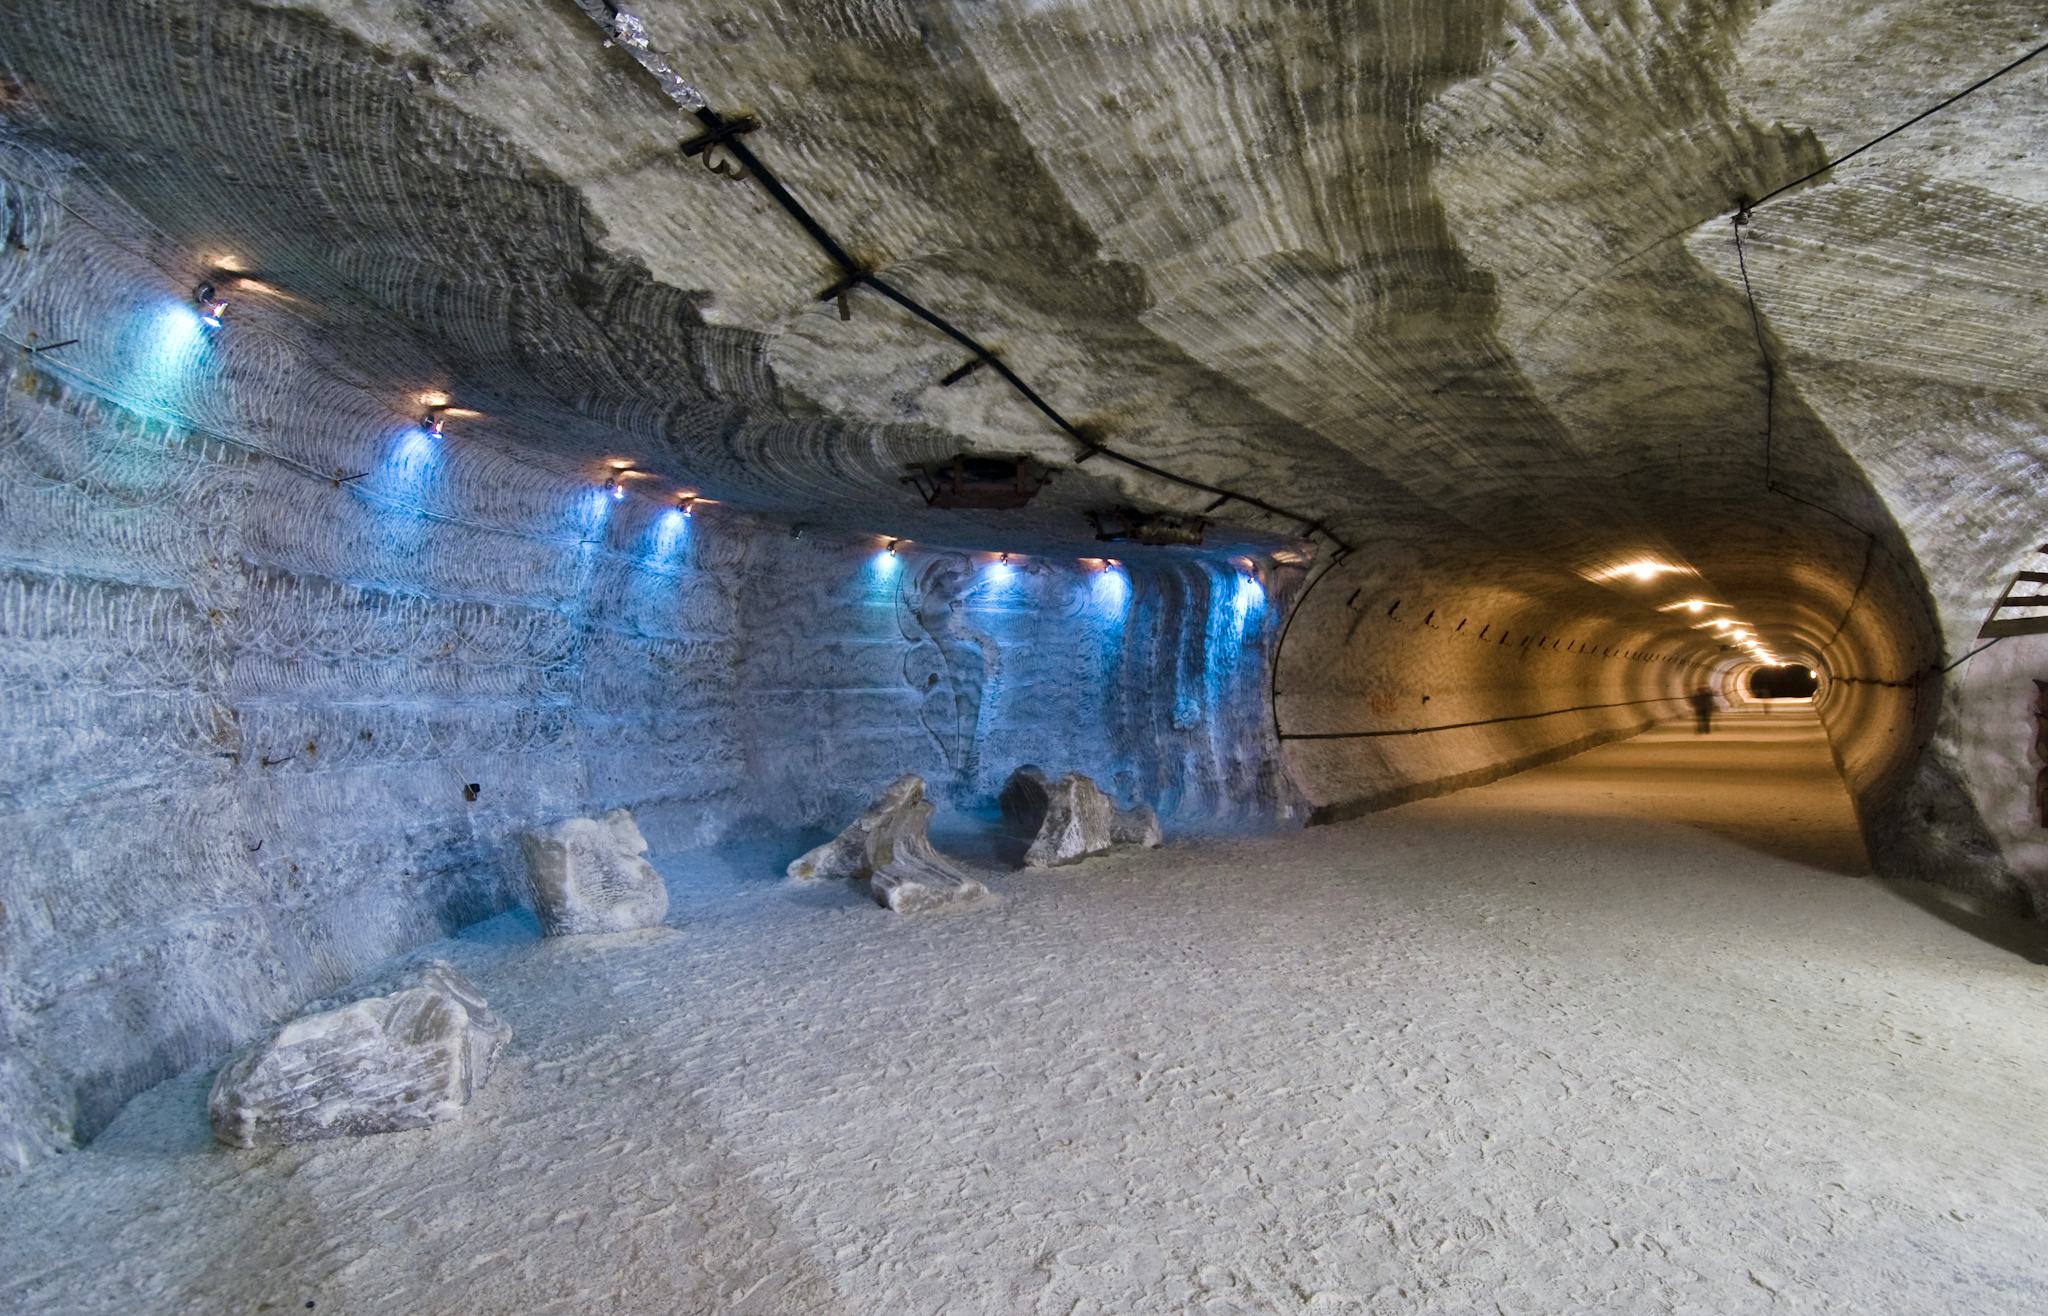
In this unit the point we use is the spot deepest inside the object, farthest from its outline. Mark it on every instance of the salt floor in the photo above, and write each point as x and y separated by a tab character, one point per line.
1627	1034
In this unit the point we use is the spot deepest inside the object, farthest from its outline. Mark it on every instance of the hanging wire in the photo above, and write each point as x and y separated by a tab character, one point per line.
1602	275
622	26
1893	132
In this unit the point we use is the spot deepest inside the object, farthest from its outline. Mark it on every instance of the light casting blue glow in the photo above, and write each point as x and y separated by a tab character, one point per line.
595	512
1001	572
1251	598
1112	591
406	485
167	353
671	532
414	462
1233	617
887	563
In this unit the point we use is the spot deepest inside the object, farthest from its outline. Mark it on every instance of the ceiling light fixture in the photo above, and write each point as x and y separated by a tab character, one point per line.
211	306
1643	571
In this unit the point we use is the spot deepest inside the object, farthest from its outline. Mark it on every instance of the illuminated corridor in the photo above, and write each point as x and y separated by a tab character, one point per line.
1023	658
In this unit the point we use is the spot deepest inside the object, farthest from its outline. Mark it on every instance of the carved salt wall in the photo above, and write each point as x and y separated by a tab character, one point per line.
961	667
285	674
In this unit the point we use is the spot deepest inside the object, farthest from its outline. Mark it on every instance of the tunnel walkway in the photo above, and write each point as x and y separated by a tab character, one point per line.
1766	781
1621	1035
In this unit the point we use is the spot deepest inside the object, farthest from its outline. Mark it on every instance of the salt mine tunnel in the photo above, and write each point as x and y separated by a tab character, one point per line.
606	607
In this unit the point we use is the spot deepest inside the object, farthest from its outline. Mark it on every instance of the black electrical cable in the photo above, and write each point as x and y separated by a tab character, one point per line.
1931	110
1774	193
1481	722
1756	325
1971	654
859	276
1855	596
1280	642
1739	221
1763	350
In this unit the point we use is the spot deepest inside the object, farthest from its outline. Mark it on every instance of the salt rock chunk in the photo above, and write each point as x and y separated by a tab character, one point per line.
888	845
411	1056
1072	819
35	1110
590	875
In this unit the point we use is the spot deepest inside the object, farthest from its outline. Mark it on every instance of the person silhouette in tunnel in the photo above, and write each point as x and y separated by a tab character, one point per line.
1702	701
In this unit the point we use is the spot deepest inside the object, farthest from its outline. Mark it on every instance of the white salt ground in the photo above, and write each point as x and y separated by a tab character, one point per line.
1617	1035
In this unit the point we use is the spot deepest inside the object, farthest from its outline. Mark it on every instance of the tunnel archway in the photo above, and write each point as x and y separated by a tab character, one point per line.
1517	487
1786	681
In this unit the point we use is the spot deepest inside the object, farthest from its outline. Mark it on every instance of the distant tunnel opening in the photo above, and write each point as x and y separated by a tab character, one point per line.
1793	682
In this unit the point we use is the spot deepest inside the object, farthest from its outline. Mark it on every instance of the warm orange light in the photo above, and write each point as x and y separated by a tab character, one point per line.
1643	571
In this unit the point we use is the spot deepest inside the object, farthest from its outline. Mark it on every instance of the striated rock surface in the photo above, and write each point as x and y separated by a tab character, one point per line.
1455	280
591	875
888	846
35	1117
408	1057
1072	818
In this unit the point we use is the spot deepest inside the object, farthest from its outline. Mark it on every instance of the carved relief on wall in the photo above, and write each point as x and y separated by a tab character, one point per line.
950	662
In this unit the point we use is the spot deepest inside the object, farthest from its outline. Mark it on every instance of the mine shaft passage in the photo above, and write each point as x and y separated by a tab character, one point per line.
1138	656
1791	682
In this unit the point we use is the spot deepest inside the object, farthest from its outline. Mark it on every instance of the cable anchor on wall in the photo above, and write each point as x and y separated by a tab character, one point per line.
722	135
837	292
959	373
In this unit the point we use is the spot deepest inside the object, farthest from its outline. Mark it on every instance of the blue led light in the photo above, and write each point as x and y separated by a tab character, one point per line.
1250	596
597	508
1112	589
211	307
671	531
887	561
168	355
414	461
177	328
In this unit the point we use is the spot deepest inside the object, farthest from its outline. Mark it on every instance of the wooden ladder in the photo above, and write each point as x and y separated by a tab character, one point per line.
2035	583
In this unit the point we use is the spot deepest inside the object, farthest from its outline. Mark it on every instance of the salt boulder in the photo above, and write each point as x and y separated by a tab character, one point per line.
35	1110
591	875
1071	819
888	846
410	1056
